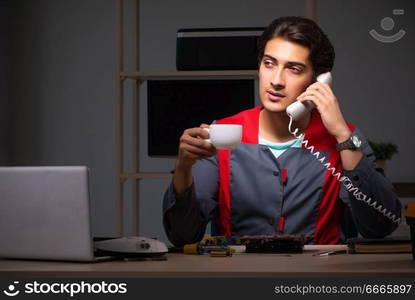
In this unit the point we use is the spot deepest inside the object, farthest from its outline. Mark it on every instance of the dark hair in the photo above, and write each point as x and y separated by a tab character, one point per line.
306	33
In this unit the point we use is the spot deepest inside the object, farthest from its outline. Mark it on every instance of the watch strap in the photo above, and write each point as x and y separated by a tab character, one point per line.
352	143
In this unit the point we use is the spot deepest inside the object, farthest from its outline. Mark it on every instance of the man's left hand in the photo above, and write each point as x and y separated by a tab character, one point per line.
328	106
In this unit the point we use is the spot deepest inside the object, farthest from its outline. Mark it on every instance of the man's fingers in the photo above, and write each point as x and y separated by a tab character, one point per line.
311	96
196	132
193	145
196	142
323	88
313	93
197	152
203	125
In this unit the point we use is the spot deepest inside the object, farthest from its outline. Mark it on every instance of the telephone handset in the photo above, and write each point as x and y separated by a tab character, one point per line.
297	109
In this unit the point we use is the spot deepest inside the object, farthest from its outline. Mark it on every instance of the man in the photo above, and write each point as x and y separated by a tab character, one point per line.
271	183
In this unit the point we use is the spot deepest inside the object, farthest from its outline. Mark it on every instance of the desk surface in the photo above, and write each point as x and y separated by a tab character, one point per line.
239	265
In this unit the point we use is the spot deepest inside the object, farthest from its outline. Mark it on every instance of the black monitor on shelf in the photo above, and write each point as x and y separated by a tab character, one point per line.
175	105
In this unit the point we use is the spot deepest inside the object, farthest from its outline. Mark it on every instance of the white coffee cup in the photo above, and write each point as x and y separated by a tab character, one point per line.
224	136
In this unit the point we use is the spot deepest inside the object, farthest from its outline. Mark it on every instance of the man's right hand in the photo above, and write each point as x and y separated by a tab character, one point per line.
193	146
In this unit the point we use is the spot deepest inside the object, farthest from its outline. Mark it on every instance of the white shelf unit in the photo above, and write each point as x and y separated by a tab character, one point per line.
139	78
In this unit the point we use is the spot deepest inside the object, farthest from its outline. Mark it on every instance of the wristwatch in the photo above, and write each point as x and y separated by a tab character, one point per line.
352	143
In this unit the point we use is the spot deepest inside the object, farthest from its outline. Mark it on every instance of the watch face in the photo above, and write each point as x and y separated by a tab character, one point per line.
356	141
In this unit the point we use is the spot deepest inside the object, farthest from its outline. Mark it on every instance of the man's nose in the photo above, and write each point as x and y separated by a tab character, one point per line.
278	80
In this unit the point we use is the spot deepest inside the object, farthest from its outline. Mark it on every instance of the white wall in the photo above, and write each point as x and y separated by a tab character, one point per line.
373	80
62	90
4	90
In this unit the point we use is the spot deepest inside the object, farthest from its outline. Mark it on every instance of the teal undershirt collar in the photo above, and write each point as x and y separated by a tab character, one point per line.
278	148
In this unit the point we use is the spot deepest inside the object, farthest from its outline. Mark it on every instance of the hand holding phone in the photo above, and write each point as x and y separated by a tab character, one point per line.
297	109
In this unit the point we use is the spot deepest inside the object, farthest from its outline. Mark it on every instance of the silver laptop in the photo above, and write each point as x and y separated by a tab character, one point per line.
45	214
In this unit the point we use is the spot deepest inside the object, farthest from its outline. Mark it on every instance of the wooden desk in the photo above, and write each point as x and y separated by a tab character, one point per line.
240	265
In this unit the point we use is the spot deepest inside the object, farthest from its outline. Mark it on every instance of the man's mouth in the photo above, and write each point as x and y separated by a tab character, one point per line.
275	96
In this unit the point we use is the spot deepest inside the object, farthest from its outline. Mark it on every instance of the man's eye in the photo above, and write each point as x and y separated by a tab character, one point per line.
295	70
268	63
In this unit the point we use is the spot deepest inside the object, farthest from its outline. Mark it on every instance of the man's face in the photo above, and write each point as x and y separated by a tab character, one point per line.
285	71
